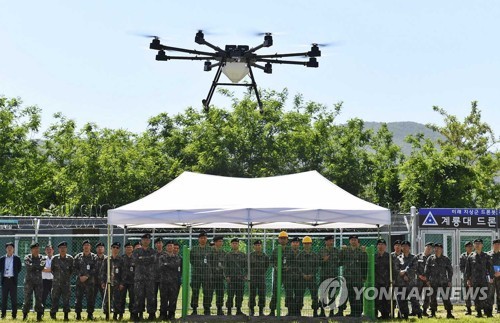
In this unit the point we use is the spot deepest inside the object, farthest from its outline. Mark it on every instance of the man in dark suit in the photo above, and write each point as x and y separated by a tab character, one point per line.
10	266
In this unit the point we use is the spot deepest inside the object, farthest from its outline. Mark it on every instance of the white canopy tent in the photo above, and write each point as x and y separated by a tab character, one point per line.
303	200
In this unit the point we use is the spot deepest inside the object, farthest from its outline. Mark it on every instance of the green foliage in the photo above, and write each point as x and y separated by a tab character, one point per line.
87	170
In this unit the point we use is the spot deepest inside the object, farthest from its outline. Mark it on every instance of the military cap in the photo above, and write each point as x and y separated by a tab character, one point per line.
34	245
382	241
99	244
295	239
116	244
137	243
478	241
62	244
176	244
85	242
438	245
257	242
496	241
397	242
202	234
158	239
353	237
329	237
468	243
430	244
406	243
146	236
235	240
218	238
128	244
9	244
170	242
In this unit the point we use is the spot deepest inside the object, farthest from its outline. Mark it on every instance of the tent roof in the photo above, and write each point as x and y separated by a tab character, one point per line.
306	199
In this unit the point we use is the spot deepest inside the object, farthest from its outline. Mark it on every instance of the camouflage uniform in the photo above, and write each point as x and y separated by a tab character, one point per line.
85	265
495	287
216	261
439	272
157	276
62	269
355	263
33	283
144	260
101	262
308	267
382	284
405	283
201	275
259	263
170	266
477	270
235	269
421	261
117	270
468	291
286	260
329	268
128	283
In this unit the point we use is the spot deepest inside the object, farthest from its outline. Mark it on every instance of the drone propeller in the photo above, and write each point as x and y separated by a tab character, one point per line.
208	32
267	33
329	44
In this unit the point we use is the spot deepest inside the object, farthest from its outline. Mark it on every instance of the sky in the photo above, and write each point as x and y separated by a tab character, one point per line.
393	60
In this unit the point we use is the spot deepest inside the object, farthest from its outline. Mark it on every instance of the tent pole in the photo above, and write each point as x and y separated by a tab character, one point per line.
108	264
124	236
249	232
190	236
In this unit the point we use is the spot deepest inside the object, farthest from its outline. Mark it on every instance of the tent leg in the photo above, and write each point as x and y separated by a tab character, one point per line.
249	232
190	237
108	279
391	287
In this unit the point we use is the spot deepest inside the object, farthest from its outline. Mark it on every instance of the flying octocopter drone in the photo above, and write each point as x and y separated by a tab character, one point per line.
235	61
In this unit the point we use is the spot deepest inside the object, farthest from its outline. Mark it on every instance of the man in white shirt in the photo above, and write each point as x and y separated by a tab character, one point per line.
47	275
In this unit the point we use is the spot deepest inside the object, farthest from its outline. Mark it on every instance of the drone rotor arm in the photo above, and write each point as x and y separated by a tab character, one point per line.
277	55
281	61
184	58
188	51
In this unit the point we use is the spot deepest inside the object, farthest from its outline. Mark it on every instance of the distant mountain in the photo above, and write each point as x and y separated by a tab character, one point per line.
401	130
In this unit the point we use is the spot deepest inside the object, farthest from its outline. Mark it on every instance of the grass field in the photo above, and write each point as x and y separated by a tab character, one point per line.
459	312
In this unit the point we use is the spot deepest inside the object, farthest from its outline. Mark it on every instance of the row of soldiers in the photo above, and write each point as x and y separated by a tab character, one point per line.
132	274
421	278
212	267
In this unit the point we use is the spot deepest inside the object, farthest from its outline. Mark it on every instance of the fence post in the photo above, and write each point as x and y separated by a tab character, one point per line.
369	301
185	280
278	281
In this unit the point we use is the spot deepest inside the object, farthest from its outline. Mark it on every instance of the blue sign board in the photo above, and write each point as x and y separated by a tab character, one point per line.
459	218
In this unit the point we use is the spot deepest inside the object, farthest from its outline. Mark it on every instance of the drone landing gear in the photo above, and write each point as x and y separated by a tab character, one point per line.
206	102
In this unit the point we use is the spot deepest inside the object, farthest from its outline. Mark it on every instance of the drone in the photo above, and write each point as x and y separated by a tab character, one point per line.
235	61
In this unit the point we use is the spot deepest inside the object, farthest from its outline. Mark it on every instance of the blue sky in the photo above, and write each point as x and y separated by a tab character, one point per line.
396	59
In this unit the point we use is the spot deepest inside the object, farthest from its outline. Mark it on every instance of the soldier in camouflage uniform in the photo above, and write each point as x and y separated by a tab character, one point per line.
216	262
382	280
479	273
116	278
86	269
101	261
34	263
157	277
170	266
62	268
201	273
329	268
495	286
354	261
405	268
308	262
286	257
463	263
422	284
144	260
128	278
439	273
235	271
259	263
294	278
